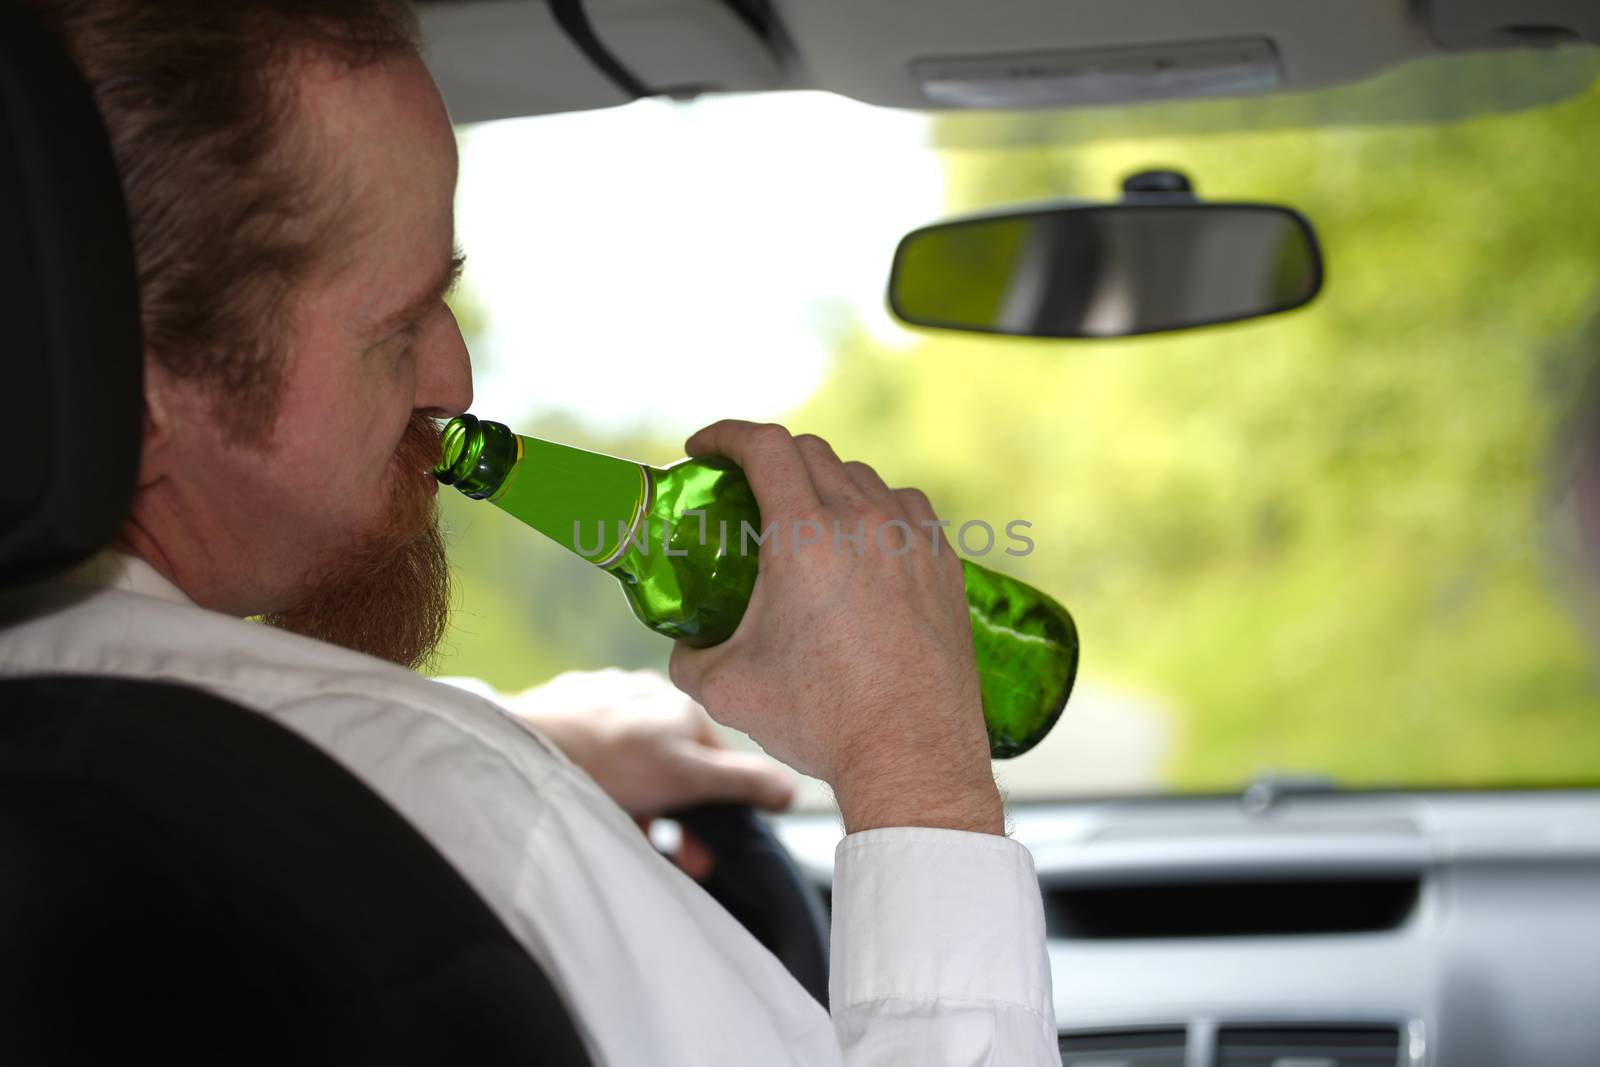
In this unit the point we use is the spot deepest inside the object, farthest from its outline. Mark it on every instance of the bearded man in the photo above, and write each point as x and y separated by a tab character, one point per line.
289	170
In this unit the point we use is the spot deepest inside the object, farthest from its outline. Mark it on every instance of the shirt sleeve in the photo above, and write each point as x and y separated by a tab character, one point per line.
938	951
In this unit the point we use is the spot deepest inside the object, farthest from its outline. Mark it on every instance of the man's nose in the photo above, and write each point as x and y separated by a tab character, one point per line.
444	379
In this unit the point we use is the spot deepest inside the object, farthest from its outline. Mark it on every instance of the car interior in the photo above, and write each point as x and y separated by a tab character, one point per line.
1288	922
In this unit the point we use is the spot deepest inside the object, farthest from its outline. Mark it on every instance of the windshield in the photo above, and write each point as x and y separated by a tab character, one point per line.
1319	544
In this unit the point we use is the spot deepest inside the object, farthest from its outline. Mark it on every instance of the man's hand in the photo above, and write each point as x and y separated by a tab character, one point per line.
650	748
854	661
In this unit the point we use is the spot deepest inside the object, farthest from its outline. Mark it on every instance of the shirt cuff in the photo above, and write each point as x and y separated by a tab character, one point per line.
922	913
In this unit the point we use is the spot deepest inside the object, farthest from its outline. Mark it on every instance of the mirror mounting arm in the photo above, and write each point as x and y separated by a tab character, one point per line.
1166	184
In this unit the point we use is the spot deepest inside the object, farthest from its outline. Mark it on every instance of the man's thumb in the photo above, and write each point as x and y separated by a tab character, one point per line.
687	669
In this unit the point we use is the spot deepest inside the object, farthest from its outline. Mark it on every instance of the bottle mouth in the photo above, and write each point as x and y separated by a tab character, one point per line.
461	442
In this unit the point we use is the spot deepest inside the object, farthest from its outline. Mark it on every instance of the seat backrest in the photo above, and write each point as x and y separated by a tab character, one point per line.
182	880
185	881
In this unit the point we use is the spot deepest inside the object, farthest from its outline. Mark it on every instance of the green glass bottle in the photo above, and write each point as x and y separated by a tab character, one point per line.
683	541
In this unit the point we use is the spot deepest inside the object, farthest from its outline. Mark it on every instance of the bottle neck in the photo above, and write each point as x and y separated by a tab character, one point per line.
477	456
586	502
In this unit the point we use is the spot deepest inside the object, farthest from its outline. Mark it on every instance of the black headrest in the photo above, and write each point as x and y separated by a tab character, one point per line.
69	314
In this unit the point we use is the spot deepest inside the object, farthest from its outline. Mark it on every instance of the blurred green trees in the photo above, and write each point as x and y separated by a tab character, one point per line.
1315	539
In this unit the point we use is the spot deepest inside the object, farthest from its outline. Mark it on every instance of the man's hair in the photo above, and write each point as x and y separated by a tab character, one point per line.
228	211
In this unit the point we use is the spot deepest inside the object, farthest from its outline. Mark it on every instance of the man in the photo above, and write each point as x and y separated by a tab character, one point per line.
290	171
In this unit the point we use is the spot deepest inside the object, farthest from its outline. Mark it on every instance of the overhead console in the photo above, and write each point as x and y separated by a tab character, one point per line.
502	58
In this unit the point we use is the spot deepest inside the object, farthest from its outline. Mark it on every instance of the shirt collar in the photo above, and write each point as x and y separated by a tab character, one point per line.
112	569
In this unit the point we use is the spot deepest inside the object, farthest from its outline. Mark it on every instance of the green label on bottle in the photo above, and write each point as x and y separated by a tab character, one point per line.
585	502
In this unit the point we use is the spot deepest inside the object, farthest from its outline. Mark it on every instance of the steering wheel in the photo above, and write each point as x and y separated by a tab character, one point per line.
758	882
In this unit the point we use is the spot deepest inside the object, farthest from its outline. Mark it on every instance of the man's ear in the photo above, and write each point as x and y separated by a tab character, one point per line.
157	435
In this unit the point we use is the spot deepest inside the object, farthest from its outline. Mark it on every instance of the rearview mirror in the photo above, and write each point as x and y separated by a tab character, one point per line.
1158	260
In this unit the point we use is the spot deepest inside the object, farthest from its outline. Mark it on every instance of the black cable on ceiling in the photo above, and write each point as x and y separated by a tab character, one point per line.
574	22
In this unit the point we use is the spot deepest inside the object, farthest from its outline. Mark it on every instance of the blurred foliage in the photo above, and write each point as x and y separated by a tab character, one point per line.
1315	540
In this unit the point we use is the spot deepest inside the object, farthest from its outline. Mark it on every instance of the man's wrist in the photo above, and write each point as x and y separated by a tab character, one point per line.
943	802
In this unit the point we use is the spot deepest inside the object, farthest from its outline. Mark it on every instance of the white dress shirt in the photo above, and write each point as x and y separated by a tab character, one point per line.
938	952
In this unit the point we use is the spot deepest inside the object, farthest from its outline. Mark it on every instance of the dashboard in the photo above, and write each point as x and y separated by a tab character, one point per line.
1427	929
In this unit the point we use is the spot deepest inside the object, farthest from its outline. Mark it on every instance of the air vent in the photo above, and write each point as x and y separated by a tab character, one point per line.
1233	908
1355	1046
1124	1048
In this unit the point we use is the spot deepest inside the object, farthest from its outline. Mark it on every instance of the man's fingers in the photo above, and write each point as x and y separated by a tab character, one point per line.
917	506
770	459
920	512
742	778
833	483
694	857
873	487
687	667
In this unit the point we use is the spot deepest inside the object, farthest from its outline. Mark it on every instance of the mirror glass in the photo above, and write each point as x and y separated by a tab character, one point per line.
1110	270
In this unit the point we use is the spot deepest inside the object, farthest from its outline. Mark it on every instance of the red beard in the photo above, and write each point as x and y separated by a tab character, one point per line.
389	596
